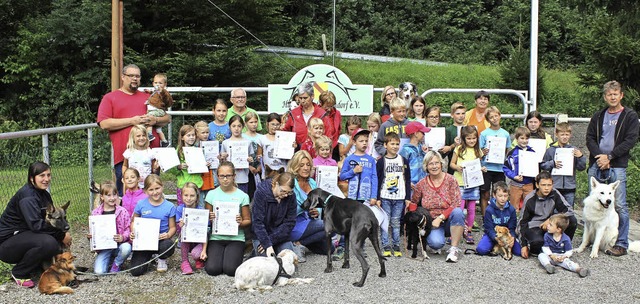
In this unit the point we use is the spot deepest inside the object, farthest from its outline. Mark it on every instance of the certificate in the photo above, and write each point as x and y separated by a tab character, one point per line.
565	157
283	147
472	174
539	146
496	146
211	151
194	157
434	139
102	229
225	222
167	158
327	180
195	225
527	164
146	234
238	153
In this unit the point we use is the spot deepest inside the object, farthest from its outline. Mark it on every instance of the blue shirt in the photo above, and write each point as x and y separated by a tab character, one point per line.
414	156
559	247
163	212
219	133
483	144
367	179
608	131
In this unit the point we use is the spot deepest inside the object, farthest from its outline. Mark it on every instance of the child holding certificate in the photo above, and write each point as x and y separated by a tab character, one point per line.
231	215
229	152
495	133
190	197
519	185
266	147
186	138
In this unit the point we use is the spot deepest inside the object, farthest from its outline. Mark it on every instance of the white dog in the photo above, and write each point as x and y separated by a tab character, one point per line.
600	218
263	272
408	90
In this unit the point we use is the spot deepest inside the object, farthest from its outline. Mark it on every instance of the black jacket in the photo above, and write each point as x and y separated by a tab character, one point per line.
626	136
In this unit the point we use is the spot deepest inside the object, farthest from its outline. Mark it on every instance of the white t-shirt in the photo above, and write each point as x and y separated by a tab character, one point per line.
141	161
267	156
344	140
392	186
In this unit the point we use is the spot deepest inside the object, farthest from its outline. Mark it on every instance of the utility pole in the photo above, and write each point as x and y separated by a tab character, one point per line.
117	7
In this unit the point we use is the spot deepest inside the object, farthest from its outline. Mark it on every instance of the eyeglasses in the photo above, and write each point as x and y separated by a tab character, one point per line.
275	125
225	176
434	164
239	97
135	76
390	94
282	192
433	117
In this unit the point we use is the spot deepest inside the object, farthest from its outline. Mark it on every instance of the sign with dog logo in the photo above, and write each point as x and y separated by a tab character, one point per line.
351	99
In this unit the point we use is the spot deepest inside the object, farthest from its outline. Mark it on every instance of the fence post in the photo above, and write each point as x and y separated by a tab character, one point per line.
90	163
45	148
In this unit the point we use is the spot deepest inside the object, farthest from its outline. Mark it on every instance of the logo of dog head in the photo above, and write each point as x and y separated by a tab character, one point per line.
408	90
606	193
57	216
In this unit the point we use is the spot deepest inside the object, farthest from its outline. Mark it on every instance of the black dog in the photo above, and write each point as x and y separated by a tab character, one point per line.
353	220
416	222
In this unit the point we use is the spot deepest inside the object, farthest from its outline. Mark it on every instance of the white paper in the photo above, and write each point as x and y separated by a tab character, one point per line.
194	157
225	222
147	234
283	147
434	139
496	147
102	229
327	180
195	225
565	156
167	158
211	151
527	164
238	153
472	174
539	146
381	216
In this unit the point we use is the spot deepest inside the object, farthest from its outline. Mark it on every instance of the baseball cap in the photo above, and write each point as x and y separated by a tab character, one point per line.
415	126
358	131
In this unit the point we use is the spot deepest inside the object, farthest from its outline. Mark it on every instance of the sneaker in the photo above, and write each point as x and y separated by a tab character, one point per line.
550	269
300	253
151	137
26	283
386	251
339	254
468	238
396	251
454	255
115	268
164	144
583	272
199	264
185	267
162	265
616	251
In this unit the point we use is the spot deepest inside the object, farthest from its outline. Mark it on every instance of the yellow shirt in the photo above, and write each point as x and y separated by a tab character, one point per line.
470	119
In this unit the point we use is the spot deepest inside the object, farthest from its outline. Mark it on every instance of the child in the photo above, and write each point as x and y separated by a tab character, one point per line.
557	248
345	143
315	130
396	124
138	155
373	125
452	132
133	193
566	184
155	207
468	150
414	152
498	213
519	186
432	117
394	192
224	252
219	128
323	146
208	182
494	171
109	205
159	83
242	175
190	197
416	110
359	170
251	134
533	122
267	144
202	131
186	138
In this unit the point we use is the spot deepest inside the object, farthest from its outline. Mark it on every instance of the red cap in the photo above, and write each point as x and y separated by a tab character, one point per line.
415	126
358	131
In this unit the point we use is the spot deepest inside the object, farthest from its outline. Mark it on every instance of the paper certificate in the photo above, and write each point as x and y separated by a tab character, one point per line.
147	234
563	156
472	174
283	147
194	157
496	146
539	146
238	153
527	164
434	139
167	158
195	225
327	180
102	229
211	151
225	222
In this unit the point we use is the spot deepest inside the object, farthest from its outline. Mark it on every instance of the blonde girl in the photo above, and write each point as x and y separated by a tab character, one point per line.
345	142
133	193
154	207
315	129
416	110
323	147
186	138
388	94
255	170
208	182
190	197
266	144
373	125
138	155
242	175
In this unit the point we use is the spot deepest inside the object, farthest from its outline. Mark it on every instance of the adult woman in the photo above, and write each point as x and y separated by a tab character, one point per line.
309	229
476	116
388	94
334	117
26	239
298	118
273	214
439	193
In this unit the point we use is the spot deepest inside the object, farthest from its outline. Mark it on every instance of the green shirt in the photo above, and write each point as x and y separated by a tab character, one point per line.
231	112
218	196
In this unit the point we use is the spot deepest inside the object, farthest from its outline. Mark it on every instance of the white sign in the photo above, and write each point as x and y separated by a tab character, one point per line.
194	157
496	146
527	164
434	139
472	174
564	157
239	153
327	180
539	146
167	158
211	149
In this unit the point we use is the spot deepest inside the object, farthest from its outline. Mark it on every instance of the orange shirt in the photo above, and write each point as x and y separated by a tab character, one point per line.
470	119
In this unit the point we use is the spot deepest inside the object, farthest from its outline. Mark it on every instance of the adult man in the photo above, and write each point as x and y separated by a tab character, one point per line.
123	108
239	101
612	133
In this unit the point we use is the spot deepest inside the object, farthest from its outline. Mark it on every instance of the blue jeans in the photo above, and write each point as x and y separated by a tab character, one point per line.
276	247
621	203
486	245
436	238
104	257
118	171
569	195
394	209
314	237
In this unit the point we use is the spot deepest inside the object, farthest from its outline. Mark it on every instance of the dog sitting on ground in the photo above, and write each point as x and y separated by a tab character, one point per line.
56	279
264	272
418	225
600	218
408	91
352	219
504	243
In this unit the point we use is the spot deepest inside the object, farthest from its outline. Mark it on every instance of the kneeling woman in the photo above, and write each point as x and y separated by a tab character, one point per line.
224	252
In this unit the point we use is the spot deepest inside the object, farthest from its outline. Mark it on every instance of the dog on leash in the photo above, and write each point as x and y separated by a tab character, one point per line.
55	279
408	90
418	225
504	243
262	273
352	219
600	218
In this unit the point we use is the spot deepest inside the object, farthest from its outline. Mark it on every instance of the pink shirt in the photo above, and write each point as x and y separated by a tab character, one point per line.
319	161
131	198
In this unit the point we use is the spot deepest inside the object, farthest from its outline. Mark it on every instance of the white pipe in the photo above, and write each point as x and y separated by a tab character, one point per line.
533	69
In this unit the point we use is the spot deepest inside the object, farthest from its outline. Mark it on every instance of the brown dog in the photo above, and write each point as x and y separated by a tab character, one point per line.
55	279
504	242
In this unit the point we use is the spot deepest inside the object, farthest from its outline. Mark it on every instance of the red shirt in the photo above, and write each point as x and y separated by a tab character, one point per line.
295	122
332	130
307	145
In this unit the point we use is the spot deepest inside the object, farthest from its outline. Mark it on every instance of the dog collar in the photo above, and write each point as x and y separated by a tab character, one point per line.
281	272
327	199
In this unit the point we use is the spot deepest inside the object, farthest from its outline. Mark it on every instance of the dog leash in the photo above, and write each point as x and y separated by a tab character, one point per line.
406	252
281	272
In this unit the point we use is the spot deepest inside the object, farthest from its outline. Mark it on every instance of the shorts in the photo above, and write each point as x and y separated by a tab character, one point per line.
490	178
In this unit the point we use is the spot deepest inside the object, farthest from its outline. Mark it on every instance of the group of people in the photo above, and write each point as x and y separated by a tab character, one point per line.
387	165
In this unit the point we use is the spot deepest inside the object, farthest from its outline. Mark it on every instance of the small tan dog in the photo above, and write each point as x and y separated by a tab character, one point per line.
504	243
55	279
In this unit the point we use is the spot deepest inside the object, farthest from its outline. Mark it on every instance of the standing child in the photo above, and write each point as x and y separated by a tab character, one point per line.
267	145
557	248
138	155
468	150
396	124
494	172
219	128
323	146
190	197
251	134
359	170
498	213
416	110
394	192
345	142
519	186
208	182
315	130
109	205
155	207
452	132
133	193
242	175
414	152
187	138
373	125
157	105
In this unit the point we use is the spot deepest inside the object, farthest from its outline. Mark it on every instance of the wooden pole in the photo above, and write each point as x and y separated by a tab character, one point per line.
115	45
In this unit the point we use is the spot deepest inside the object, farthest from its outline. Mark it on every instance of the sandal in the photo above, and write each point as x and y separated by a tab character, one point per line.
27	283
468	237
